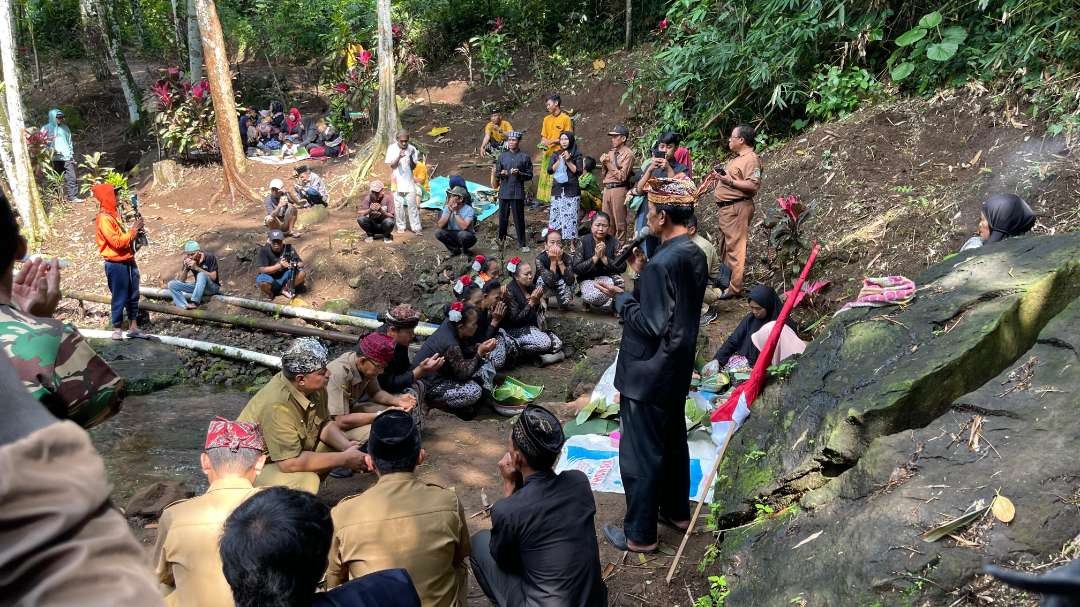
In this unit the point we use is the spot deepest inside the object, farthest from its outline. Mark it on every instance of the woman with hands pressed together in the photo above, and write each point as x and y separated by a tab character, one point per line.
454	386
524	321
594	262
553	269
565	168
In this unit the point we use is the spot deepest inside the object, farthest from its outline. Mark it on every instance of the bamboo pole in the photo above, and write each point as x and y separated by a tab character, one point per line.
227	319
353	320
266	360
697	510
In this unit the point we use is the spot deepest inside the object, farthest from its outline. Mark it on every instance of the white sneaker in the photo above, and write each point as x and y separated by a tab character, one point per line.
368	239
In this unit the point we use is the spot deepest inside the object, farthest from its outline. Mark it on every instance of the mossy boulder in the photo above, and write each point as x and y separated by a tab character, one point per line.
866	524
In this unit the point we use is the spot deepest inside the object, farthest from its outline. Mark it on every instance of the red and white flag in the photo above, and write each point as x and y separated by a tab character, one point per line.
729	416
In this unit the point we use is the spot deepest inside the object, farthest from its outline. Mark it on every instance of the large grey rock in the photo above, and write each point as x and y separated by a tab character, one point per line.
146	365
876	372
869	519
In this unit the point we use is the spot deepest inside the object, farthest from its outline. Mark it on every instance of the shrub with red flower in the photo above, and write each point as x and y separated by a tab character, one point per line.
499	23
183	114
786	237
663	25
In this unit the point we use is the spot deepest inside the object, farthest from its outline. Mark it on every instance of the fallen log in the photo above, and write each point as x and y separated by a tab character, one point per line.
226	319
364	322
266	360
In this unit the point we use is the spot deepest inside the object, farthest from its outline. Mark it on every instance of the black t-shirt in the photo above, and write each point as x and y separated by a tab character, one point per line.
267	257
209	264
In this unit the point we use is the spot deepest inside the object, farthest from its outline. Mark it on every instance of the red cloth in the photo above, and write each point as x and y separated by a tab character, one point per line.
234	435
377	347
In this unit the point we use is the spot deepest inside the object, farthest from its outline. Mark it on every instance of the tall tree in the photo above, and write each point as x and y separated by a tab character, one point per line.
195	52
388	124
110	35
19	173
140	22
233	163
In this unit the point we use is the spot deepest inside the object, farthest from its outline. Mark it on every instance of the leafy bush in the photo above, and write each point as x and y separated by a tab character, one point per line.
183	115
929	46
93	172
355	90
492	54
835	92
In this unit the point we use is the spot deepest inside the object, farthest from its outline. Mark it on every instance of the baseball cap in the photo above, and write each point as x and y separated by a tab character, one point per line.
458	191
376	186
277	184
191	247
276	235
619	129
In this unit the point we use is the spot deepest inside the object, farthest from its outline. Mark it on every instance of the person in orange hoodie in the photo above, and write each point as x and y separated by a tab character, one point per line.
116	246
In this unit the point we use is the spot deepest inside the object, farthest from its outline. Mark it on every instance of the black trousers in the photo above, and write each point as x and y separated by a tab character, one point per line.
518	207
655	463
384	226
456	240
499	586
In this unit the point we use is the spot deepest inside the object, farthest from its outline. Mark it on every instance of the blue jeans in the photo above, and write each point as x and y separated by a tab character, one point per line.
202	285
276	284
313	196
123	279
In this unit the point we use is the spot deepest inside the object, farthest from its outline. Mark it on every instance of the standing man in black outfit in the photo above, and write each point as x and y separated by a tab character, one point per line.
541	549
512	170
656	360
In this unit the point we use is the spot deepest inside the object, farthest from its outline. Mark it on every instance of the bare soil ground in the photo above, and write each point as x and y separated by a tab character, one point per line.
893	188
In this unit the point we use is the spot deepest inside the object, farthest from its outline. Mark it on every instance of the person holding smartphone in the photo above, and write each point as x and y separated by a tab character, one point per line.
662	164
736	183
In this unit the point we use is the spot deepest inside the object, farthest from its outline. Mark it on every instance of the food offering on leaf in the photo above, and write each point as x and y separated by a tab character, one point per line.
670	190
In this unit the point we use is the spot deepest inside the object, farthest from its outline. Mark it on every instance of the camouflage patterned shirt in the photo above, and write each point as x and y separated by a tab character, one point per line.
59	368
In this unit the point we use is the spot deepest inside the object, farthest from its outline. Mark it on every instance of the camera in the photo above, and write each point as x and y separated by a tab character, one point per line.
140	238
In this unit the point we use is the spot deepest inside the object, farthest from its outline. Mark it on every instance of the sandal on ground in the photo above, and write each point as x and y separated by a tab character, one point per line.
137	334
617	538
117	335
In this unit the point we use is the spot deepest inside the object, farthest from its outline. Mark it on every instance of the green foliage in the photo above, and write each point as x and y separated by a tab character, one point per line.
924	46
492	55
183	115
708	557
836	92
93	172
718	593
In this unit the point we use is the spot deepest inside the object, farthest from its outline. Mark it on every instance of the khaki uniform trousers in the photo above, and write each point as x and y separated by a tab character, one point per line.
614	204
272	476
734	227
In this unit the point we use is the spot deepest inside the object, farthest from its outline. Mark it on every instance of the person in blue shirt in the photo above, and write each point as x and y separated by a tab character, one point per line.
63	159
457	223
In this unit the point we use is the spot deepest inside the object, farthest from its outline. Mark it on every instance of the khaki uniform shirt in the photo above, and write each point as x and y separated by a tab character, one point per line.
403	522
290	421
186	554
709	250
347	384
744	166
624	157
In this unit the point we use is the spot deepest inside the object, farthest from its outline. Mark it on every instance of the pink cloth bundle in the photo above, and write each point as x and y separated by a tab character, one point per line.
880	291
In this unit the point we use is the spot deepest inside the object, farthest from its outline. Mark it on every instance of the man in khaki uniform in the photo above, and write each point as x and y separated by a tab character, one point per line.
302	442
186	554
736	186
617	166
355	376
401	521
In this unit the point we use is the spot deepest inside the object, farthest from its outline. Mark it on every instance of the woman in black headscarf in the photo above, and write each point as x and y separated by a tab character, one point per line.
565	167
764	307
1002	216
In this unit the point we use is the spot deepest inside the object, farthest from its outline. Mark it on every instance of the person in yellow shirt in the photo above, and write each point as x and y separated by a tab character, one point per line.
186	556
495	132
555	124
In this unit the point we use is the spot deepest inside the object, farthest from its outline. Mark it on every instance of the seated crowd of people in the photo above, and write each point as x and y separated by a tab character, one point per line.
274	132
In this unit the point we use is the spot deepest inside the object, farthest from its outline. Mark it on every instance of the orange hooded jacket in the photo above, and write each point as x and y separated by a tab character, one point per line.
113	241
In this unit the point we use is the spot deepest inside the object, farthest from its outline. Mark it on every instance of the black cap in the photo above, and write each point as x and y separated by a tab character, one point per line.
394	435
620	129
276	235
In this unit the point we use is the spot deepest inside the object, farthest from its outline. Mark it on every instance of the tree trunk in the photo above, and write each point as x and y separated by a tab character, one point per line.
38	77
27	200
388	123
195	50
180	40
629	23
110	35
91	41
140	23
233	162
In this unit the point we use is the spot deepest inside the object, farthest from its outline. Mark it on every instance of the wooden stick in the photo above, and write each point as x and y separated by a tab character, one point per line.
697	511
227	319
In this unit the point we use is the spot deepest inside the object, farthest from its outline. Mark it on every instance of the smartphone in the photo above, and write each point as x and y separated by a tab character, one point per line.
720	169
658	154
